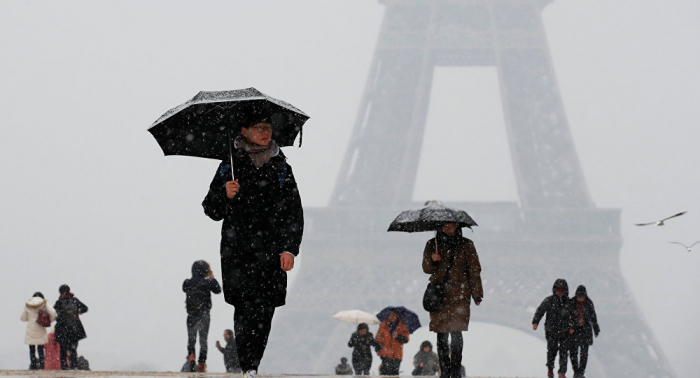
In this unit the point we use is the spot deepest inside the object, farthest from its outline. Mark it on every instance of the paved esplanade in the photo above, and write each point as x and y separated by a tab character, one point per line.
555	230
143	374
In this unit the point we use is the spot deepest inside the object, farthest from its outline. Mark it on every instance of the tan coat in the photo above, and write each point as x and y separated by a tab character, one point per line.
463	285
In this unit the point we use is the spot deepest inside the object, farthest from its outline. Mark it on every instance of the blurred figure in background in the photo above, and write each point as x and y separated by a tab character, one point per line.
198	291
230	354
343	368
392	335
362	341
426	362
53	352
585	326
69	329
38	314
557	327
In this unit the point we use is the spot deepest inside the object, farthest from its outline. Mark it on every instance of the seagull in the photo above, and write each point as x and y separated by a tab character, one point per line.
686	247
661	222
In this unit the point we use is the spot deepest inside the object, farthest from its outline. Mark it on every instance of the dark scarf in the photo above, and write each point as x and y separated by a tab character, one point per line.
258	154
449	240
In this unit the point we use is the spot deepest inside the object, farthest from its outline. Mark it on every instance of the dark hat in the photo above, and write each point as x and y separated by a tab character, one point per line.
362	326
38	294
581	291
426	343
64	289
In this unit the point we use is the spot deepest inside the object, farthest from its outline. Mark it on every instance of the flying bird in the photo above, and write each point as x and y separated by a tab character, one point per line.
661	222
687	248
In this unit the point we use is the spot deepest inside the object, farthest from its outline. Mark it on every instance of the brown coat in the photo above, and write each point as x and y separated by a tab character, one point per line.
463	285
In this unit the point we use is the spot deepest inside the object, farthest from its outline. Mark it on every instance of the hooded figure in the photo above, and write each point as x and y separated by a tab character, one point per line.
585	325
362	341
198	291
426	362
69	329
36	335
343	368
263	223
558	325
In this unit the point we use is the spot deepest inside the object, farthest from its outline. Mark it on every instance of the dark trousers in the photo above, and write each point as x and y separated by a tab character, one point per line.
450	354
252	328
390	366
364	370
558	343
72	348
36	364
579	361
198	324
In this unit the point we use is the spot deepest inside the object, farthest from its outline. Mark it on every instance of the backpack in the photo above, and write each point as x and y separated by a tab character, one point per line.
43	318
69	312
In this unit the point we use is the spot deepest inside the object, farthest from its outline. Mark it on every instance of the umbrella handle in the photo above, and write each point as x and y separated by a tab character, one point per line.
230	150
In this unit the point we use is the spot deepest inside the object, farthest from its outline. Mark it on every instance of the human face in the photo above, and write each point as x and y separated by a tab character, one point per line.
362	331
559	292
393	318
426	349
581	299
226	336
449	228
259	134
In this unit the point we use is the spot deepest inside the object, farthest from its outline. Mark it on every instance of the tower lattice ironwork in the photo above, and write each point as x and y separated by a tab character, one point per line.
349	261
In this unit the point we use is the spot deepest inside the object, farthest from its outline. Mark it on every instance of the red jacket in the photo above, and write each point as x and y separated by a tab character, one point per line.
391	348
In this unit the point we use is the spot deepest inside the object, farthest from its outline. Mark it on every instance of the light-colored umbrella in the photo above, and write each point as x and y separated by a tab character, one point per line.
356	316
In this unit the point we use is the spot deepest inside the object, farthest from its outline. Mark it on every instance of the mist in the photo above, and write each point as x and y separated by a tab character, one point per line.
88	199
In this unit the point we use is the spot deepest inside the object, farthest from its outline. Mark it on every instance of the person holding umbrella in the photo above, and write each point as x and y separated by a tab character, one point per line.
452	259
396	325
260	237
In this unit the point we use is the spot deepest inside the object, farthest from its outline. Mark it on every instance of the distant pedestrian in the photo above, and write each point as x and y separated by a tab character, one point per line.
585	327
69	329
362	341
392	335
36	336
260	236
198	291
230	353
558	326
426	362
452	258
83	364
343	368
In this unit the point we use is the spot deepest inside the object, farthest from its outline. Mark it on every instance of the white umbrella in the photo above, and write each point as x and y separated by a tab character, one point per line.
356	316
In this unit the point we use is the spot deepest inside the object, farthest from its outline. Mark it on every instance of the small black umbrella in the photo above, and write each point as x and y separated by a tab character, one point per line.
430	218
205	125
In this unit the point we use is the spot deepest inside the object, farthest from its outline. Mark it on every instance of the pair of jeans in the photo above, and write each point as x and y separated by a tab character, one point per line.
450	354
36	364
198	323
390	366
558	342
252	326
72	348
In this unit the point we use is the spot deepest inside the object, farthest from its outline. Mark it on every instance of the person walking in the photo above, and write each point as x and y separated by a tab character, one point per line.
263	223
452	258
392	335
426	362
230	354
69	329
36	336
343	368
361	342
558	326
198	291
585	327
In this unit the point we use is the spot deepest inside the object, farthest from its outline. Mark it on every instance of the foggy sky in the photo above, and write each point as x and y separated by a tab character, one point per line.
88	199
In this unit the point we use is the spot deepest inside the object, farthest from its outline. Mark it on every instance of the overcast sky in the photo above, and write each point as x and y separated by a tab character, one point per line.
87	198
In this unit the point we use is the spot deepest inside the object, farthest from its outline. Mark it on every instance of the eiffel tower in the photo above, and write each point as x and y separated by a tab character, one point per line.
349	260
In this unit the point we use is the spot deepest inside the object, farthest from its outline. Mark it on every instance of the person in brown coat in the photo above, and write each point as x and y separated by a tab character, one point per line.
450	251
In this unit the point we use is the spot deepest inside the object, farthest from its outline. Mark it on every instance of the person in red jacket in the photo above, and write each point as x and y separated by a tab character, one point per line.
392	335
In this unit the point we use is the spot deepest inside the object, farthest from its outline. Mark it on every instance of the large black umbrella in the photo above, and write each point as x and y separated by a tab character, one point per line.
430	218
205	125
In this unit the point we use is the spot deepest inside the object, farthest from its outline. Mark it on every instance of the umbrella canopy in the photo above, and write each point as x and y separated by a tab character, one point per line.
356	316
204	125
408	317
430	218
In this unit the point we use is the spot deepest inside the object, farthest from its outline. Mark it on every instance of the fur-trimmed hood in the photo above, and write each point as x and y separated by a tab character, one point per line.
35	303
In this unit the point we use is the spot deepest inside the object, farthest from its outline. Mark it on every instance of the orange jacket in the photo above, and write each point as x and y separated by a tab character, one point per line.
391	348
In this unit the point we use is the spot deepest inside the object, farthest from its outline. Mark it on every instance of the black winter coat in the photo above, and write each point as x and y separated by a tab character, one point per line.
261	222
558	311
362	354
199	288
69	329
583	334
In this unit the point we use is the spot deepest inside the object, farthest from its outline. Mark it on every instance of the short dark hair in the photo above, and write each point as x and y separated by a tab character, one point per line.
229	332
64	289
426	343
38	294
